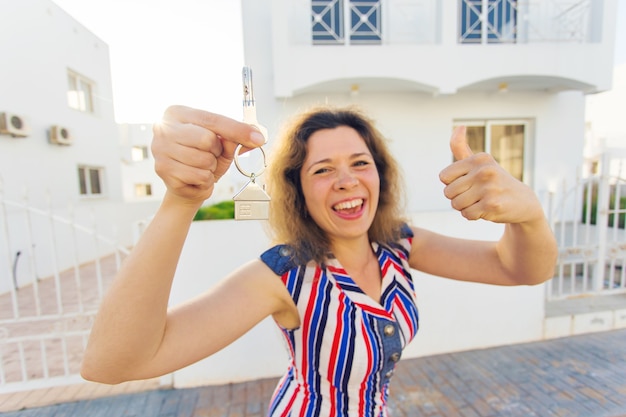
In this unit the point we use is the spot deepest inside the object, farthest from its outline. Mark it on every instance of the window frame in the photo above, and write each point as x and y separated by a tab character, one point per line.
85	181
136	150
485	21
528	151
77	84
342	22
147	190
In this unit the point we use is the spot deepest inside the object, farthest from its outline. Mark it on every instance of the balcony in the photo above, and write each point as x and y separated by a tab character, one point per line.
442	47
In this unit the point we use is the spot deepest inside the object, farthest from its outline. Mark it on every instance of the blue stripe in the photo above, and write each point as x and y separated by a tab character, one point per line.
297	285
315	343
345	282
280	395
347	354
372	382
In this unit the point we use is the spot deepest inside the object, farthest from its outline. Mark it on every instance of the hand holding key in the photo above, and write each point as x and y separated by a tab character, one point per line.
194	148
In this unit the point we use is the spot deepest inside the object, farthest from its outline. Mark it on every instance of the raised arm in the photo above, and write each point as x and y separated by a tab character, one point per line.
480	189
134	336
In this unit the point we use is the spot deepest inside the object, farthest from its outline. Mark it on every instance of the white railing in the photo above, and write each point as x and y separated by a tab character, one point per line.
588	219
55	273
390	22
518	21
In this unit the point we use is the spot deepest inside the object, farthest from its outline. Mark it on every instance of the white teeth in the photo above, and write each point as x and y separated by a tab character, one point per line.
348	204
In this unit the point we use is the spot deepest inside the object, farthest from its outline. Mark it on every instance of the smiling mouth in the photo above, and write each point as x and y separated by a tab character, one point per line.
350	206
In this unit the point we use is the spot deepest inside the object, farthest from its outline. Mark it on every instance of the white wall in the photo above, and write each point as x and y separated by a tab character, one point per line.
438	62
39	43
138	172
605	114
419	124
454	316
419	127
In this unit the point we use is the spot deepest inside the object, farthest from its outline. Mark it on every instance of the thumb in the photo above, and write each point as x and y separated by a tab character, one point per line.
458	144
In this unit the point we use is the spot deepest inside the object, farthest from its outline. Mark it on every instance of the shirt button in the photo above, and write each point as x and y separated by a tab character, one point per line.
389	374
389	330
285	251
395	357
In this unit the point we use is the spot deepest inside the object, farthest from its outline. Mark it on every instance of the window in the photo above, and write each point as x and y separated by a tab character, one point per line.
79	92
505	141
488	21
90	180
139	153
143	190
330	17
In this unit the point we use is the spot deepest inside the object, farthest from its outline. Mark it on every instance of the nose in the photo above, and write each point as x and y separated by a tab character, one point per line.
345	180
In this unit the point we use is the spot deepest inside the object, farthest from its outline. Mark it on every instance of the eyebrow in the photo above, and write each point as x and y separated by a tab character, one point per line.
326	160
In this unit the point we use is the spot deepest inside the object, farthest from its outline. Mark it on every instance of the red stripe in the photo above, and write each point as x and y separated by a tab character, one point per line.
306	332
390	263
287	409
334	354
370	359
376	311
407	319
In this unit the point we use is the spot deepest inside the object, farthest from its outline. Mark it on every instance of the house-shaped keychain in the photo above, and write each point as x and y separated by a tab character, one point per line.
252	203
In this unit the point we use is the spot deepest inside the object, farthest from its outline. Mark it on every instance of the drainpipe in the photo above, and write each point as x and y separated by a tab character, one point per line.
17	257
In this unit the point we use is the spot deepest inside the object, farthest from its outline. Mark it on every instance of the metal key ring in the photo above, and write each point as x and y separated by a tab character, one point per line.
254	174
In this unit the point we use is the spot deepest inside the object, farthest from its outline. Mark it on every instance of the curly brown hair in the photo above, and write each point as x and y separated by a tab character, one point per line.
289	219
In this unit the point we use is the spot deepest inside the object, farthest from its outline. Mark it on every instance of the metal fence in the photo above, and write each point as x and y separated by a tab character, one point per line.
588	218
53	277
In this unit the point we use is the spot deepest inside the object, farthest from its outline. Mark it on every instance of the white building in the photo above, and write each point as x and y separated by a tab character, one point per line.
516	72
139	181
422	66
604	113
59	145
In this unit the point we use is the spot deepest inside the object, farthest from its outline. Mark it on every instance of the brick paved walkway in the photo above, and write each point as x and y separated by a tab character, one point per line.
581	376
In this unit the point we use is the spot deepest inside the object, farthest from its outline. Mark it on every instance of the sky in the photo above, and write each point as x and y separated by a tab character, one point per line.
166	52
188	52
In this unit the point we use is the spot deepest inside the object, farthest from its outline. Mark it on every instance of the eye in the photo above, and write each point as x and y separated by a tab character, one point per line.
320	171
361	163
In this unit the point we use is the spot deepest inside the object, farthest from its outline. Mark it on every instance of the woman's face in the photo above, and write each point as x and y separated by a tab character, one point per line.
340	183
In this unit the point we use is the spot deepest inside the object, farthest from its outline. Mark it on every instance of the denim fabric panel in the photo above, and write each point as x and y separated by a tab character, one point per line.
406	231
279	258
391	348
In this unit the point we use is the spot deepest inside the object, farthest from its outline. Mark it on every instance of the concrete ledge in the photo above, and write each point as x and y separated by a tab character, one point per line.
619	321
584	315
592	322
555	327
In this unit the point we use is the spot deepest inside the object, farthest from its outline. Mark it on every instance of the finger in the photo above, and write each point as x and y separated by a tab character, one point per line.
195	137
229	129
192	145
473	212
458	144
457	187
465	200
227	156
176	174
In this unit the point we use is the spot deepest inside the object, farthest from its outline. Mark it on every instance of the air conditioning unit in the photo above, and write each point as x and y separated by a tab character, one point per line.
60	135
14	125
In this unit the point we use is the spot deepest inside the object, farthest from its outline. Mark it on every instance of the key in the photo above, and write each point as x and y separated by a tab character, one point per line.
249	104
252	202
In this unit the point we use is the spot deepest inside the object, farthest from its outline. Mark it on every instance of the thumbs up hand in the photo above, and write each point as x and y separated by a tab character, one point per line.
480	188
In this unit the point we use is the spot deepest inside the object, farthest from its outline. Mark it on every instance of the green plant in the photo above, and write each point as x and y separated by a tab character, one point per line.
593	216
217	211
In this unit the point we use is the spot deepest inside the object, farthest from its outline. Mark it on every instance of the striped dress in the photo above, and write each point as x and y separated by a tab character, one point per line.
342	356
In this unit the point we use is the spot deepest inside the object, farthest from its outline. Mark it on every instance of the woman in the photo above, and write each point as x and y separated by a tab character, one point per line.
337	283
